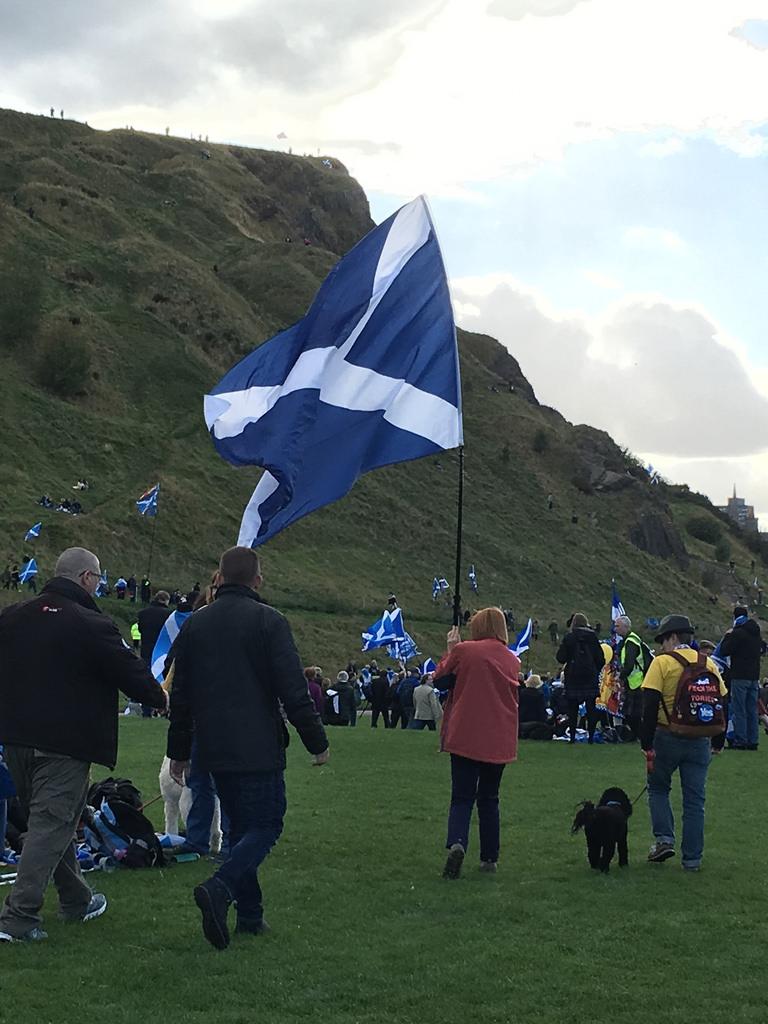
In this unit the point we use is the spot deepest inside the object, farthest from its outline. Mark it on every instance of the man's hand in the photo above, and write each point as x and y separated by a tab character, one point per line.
319	759
454	637
179	770
650	760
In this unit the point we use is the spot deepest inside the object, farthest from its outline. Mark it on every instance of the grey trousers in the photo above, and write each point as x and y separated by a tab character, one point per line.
52	790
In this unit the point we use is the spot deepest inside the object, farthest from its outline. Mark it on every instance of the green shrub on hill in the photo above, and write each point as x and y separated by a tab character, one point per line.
704	528
20	302
63	365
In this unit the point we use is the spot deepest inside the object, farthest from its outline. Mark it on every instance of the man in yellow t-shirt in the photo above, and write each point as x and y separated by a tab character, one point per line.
668	752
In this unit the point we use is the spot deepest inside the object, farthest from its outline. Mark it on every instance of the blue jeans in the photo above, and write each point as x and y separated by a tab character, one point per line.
744	712
200	815
475	782
255	805
691	757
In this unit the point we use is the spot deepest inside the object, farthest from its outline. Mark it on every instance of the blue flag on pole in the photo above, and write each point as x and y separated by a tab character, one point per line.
381	633
164	642
428	666
28	570
617	608
103	584
147	503
33	531
439	583
523	641
368	378
402	647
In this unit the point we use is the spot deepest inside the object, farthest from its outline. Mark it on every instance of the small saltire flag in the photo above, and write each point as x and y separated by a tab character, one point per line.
428	666
33	531
147	503
28	570
164	642
617	608
368	378
523	641
439	583
473	578
103	584
402	647
381	633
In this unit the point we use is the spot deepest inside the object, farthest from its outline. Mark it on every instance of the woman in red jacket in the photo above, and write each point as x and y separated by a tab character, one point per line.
479	731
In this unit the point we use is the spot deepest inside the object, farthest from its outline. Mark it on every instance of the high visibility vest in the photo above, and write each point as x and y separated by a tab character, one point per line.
135	632
635	678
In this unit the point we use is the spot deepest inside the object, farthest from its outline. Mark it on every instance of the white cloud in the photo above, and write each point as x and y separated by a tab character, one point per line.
600	280
466	94
654	374
650	239
660	148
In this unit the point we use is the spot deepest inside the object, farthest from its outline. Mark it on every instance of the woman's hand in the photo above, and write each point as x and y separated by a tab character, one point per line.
454	637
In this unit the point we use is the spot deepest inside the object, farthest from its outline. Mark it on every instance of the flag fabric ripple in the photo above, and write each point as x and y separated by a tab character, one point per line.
369	377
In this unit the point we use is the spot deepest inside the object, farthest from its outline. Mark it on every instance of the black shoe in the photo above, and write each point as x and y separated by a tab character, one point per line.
751	746
252	928
188	848
454	861
213	902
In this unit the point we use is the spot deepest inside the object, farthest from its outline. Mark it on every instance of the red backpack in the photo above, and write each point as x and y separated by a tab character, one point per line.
698	708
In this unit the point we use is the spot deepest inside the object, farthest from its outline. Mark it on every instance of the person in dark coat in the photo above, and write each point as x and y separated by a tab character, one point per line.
347	700
150	621
63	663
582	656
237	671
743	644
533	722
380	699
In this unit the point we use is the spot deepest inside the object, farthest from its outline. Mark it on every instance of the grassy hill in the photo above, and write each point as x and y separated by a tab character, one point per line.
135	269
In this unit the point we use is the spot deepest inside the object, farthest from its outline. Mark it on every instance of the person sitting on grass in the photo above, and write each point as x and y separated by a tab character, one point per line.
479	731
534	722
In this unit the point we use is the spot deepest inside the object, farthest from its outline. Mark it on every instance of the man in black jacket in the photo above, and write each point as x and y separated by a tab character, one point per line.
236	663
743	645
61	665
151	620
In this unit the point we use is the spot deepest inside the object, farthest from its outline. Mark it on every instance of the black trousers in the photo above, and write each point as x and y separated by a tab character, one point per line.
375	717
573	715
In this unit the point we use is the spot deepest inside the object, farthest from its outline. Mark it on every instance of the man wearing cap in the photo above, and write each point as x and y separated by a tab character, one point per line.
743	645
668	753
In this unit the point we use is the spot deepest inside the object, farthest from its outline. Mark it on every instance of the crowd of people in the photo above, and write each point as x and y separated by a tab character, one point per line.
235	680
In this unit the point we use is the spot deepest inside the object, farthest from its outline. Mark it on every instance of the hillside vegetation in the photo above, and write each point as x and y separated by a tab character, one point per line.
135	269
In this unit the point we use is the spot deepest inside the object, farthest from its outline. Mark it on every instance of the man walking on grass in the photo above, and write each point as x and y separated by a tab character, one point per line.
668	750
236	663
61	665
743	644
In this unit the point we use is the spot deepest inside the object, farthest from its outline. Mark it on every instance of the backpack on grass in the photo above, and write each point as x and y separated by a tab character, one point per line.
117	828
697	708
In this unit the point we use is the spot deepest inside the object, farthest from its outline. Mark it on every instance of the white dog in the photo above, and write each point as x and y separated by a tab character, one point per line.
178	800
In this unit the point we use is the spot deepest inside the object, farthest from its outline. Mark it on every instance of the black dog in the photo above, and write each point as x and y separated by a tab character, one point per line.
605	827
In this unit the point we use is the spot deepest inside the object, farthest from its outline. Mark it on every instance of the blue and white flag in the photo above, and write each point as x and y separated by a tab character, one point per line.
368	378
402	647
523	641
473	578
147	503
428	666
439	583
33	531
617	608
381	633
28	570
103	584
168	634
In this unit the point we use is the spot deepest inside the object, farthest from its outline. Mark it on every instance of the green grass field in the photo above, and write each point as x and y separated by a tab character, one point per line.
365	930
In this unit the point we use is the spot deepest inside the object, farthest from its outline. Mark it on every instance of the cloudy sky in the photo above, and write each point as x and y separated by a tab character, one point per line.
597	169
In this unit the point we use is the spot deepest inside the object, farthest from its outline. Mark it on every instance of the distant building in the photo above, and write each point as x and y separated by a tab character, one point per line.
740	512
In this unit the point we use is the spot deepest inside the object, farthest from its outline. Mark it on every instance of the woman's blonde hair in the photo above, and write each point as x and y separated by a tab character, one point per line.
487	624
533	681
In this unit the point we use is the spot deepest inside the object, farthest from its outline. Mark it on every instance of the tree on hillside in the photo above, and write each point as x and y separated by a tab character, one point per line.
64	365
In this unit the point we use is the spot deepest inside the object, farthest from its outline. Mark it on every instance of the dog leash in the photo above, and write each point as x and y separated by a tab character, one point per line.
643	790
152	801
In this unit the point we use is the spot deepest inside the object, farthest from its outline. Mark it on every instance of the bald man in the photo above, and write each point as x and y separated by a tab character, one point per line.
61	665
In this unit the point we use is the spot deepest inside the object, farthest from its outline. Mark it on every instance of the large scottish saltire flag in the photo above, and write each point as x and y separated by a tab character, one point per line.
381	633
369	377
402	647
164	642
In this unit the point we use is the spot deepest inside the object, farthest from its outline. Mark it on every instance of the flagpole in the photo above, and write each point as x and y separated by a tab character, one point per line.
459	526
151	547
